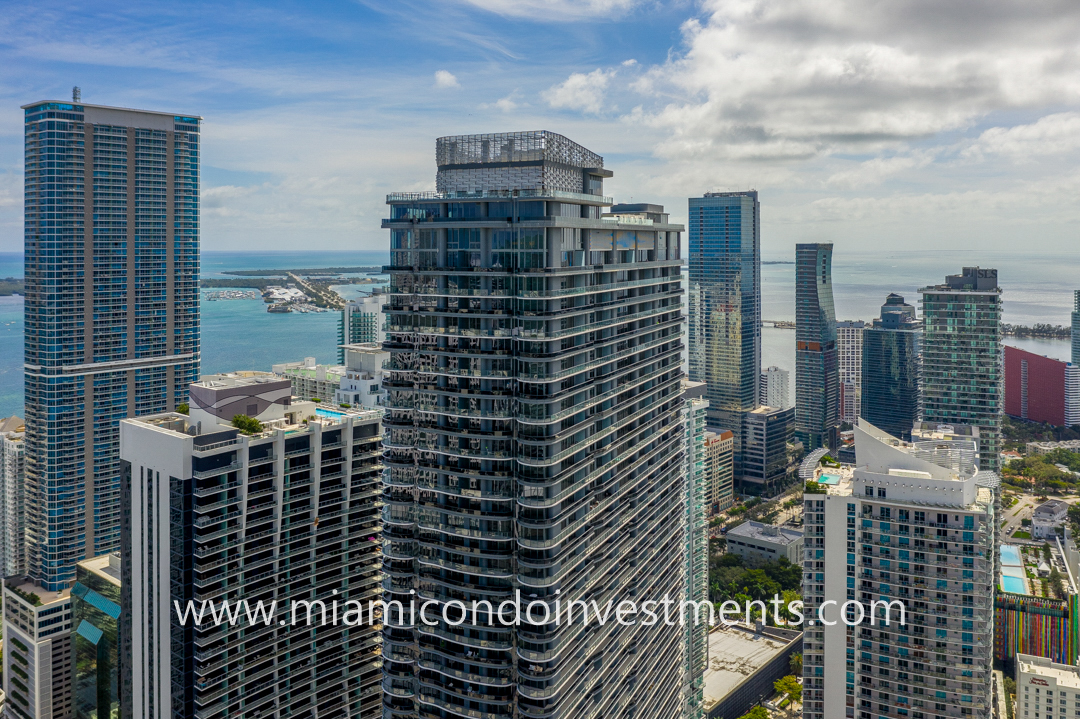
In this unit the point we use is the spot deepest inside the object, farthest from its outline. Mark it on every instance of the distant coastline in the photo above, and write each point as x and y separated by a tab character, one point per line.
1043	331
11	286
777	262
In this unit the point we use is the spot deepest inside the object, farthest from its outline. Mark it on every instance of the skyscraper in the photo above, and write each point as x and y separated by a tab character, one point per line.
849	344
1076	328
909	535
725	312
361	322
112	309
817	373
962	375
696	547
890	369
775	388
534	435
12	497
720	492
282	514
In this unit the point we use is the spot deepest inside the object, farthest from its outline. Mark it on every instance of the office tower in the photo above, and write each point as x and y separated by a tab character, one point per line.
362	322
725	316
912	528
362	383
696	548
961	371
284	514
766	433
112	309
774	388
849	347
12	497
719	451
37	651
95	606
1076	328
890	369
534	434
817	374
1041	389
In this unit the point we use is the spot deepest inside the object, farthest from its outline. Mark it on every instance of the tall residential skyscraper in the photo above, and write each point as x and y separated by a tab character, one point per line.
817	372
775	388
1076	328
112	309
696	547
12	497
361	322
962	374
911	532
849	344
283	514
535	441
890	369
725	312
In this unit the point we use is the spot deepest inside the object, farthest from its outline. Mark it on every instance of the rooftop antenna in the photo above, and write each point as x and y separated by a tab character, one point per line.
76	94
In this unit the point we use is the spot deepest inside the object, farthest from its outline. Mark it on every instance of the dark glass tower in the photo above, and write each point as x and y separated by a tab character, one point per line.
725	307
890	369
112	309
533	436
817	369
962	372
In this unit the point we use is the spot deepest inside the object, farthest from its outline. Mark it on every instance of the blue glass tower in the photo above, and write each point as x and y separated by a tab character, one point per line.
890	369
112	309
725	307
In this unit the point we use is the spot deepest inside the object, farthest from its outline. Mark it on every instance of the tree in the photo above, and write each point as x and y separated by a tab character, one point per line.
756	713
247	425
789	687
795	663
183	408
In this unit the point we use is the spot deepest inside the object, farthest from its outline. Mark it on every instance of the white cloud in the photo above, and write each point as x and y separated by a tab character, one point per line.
1055	134
788	81
444	78
556	10
580	91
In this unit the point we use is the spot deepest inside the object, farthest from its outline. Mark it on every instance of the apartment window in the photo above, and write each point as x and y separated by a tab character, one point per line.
881	493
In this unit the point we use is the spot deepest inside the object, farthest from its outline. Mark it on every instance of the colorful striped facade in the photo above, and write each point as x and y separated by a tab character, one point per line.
1041	627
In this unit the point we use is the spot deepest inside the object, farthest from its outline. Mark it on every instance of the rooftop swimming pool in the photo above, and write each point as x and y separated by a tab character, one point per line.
328	413
829	479
1014	585
1010	555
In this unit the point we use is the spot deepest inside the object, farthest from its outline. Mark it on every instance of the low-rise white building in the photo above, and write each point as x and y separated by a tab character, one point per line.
361	384
311	380
1047	517
1046	689
758	543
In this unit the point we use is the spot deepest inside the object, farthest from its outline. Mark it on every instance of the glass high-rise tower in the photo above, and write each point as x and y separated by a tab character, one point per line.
890	369
725	309
1076	328
112	309
963	378
534	437
817	369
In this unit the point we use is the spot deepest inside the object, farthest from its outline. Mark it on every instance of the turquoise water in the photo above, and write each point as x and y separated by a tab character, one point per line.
1013	571
1013	585
239	334
328	413
1010	555
829	479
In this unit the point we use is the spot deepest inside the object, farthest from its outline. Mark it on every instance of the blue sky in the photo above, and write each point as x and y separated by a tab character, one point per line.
903	124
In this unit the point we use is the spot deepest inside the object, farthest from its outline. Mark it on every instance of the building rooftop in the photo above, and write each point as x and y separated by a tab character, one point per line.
735	654
1051	507
766	533
80	106
107	566
506	147
12	424
242	378
24	587
1064	674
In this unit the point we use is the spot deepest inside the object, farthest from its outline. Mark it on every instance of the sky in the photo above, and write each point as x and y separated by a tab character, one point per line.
874	124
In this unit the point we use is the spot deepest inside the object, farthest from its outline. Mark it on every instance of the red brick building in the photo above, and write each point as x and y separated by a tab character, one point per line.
1041	389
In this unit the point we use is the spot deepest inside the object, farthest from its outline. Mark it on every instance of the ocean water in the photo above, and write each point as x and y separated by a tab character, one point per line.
240	334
